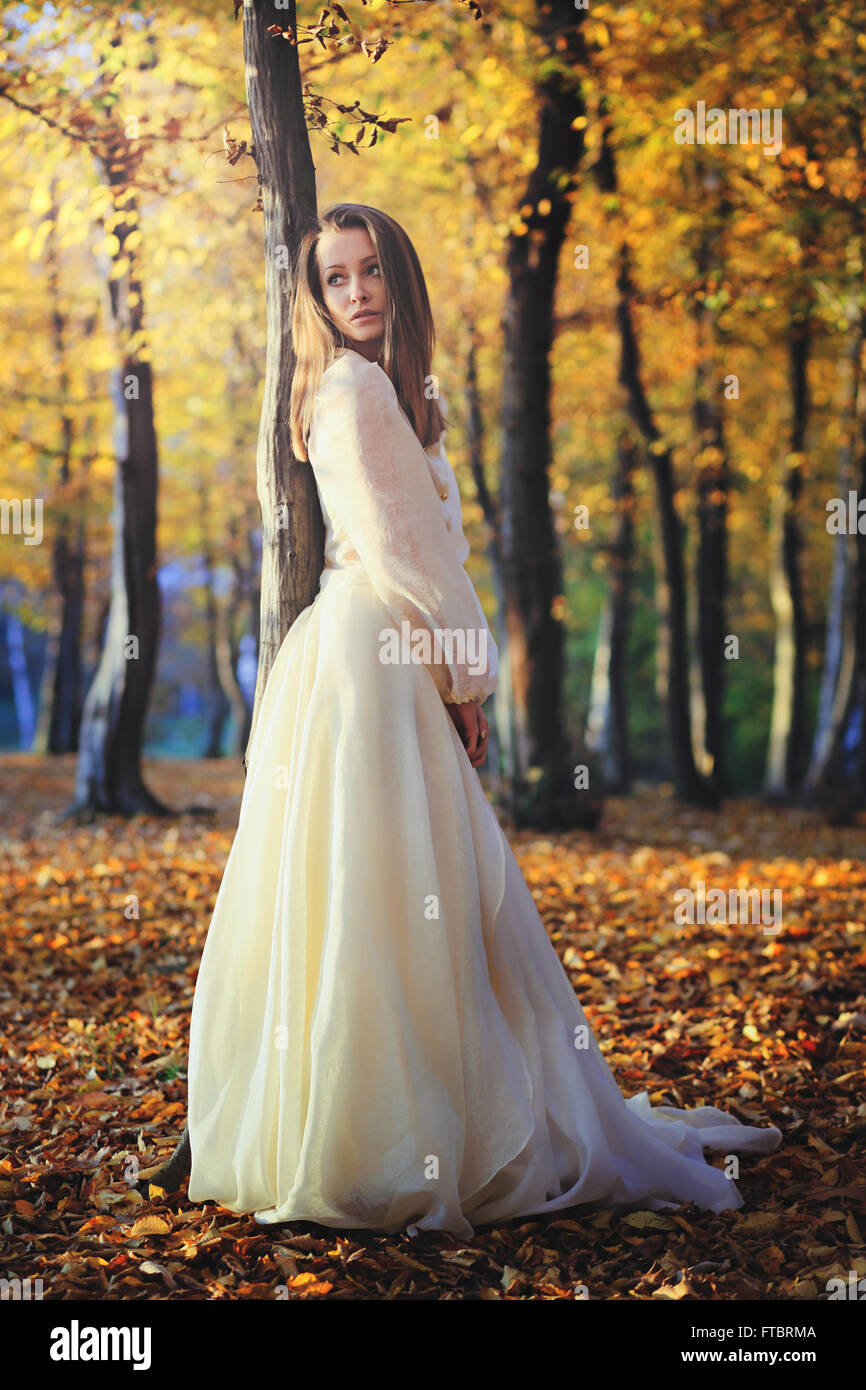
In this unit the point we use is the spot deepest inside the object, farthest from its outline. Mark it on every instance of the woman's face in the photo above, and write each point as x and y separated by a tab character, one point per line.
352	287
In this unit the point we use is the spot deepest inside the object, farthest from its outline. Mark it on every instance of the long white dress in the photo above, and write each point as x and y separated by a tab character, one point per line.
382	1034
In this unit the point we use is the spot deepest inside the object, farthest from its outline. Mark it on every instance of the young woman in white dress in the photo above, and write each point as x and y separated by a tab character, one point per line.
382	1034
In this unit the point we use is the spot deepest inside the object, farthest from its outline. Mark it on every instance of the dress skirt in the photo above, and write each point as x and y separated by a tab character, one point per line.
382	1034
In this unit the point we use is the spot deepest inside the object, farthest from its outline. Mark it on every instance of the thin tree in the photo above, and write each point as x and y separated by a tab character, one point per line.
540	777
61	686
787	749
108	773
292	526
673	629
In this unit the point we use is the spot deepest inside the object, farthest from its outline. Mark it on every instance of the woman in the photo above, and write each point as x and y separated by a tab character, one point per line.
382	1034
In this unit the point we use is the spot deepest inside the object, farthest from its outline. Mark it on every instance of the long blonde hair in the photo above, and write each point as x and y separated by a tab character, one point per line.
409	337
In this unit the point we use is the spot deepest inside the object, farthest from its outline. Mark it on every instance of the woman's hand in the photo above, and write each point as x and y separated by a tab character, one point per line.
470	723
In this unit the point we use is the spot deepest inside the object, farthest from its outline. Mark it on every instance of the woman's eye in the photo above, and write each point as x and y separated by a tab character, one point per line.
335	275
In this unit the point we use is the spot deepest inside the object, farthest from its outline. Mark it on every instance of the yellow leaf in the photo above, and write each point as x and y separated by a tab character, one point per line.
150	1226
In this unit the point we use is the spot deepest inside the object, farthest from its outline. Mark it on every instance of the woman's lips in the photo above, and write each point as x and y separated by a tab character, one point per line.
368	314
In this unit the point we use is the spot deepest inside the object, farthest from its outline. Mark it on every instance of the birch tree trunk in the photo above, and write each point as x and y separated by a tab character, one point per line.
787	751
839	654
842	782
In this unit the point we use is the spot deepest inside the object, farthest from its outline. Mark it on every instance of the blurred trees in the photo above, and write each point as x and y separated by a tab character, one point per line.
706	356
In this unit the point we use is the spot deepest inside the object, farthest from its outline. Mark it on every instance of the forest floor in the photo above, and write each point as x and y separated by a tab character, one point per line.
100	940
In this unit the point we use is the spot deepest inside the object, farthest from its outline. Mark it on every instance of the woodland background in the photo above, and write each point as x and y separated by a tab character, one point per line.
678	269
597	287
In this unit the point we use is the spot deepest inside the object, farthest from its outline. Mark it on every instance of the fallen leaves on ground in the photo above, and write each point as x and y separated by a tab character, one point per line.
102	934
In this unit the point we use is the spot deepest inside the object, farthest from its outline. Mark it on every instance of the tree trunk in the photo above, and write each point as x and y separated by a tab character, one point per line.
22	697
712	509
292	526
249	598
227	661
673	663
108	774
499	714
787	751
60	692
847	781
45	701
539	776
839	655
843	785
852	744
607	722
293	532
239	617
217	700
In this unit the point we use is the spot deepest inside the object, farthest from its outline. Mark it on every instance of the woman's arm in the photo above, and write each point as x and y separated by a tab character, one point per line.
375	479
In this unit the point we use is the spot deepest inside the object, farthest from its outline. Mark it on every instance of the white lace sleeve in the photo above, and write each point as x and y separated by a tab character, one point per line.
375	480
